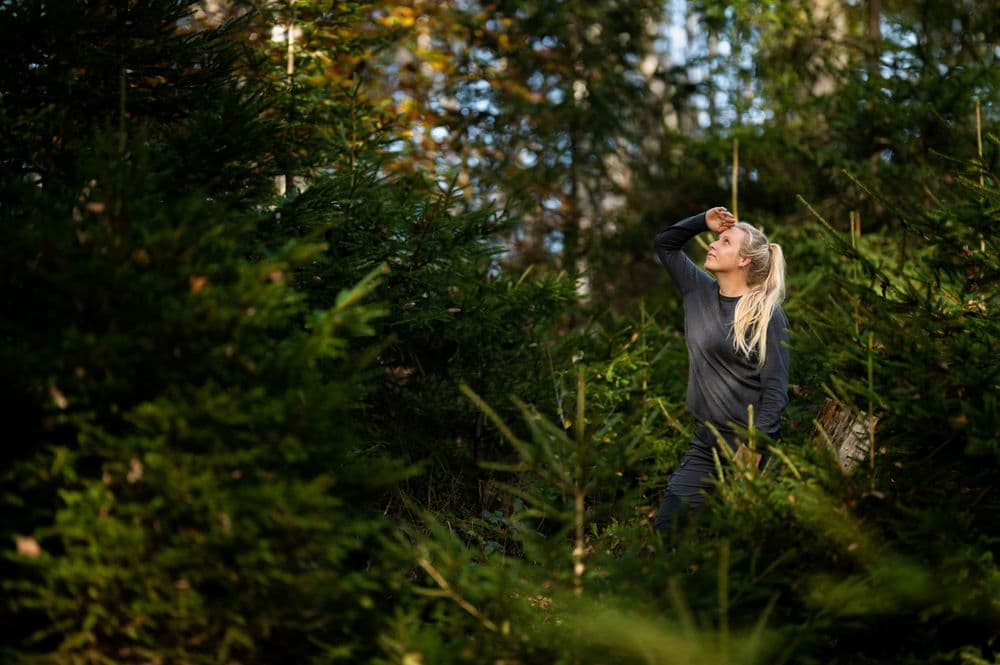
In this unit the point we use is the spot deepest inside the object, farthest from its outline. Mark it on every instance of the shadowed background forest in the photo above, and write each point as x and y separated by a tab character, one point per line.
333	331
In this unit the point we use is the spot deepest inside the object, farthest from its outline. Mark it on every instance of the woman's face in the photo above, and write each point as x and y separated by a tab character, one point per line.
724	253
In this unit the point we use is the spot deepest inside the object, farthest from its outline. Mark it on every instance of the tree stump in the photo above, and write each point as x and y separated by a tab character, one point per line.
847	432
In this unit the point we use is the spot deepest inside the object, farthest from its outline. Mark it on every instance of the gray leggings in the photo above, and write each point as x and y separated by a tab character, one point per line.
688	484
692	479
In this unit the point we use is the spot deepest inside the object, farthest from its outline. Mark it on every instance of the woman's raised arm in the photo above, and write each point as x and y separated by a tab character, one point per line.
670	249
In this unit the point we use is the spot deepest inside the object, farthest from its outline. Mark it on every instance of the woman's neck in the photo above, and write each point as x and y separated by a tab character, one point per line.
733	284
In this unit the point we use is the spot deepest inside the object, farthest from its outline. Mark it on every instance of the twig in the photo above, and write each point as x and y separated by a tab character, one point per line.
555	386
451	593
736	170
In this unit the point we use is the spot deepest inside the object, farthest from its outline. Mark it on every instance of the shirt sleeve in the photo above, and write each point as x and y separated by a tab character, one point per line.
774	376
670	249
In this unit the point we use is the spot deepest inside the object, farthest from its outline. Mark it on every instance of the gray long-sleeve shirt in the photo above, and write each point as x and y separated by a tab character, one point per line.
722	382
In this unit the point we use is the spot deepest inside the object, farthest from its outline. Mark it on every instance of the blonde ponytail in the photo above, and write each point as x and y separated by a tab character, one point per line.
766	278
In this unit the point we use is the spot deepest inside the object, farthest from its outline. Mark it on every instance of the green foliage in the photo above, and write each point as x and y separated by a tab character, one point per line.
451	316
186	484
350	423
804	563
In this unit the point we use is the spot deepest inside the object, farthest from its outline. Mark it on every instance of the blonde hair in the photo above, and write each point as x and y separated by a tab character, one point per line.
766	279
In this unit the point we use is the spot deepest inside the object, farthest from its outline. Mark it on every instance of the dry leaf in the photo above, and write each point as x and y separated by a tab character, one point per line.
134	471
58	397
197	283
28	547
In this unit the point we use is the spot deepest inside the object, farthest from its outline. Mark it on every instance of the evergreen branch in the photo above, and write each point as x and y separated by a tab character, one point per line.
368	283
541	507
501	425
849	250
784	458
539	427
681	608
670	419
451	593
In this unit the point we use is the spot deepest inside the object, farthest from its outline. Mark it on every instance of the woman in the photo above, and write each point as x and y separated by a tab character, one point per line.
736	336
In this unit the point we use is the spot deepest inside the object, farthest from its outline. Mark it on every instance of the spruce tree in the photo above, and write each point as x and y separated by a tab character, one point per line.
454	312
182	477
